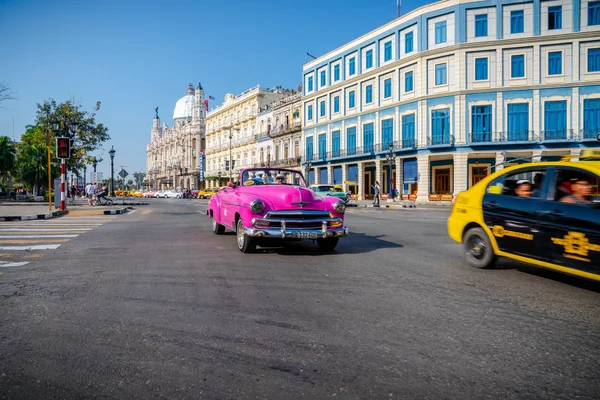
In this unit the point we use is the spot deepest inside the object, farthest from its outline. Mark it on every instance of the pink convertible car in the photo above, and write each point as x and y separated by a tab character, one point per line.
269	203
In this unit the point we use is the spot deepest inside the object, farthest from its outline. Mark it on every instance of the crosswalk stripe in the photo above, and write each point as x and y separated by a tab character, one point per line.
93	225
4	264
2	234
37	247
2	241
43	229
36	236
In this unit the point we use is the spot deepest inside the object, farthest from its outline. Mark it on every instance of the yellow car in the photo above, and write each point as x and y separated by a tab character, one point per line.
545	214
207	193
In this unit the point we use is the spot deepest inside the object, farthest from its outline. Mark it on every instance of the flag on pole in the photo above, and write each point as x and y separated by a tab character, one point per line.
206	104
210	97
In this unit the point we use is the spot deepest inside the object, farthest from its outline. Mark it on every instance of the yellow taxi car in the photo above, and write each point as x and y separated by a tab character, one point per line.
545	214
207	193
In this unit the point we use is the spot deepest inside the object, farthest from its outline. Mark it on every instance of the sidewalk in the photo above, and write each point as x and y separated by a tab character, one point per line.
25	211
399	204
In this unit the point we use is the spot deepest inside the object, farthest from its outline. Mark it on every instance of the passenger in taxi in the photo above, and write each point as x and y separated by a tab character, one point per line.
523	188
537	185
580	191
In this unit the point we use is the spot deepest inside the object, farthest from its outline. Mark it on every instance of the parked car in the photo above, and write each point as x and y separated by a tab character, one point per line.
149	194
173	194
545	214
269	203
330	190
160	194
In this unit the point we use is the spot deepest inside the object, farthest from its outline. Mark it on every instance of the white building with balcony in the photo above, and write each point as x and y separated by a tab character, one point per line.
451	90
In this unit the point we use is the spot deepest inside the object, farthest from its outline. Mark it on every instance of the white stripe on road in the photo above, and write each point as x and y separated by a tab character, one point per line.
4	264
38	247
48	224
36	236
43	229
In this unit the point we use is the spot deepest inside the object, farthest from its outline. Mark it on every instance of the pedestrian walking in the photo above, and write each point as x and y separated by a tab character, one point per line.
90	190
376	188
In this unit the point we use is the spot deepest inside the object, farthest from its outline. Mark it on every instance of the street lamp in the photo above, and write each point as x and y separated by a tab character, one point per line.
84	174
219	175
390	157
38	157
112	170
307	165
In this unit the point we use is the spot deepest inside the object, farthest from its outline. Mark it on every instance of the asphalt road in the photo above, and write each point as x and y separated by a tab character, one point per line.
153	305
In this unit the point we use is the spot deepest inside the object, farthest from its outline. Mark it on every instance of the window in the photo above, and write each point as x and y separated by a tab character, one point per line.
440	32
481	69
591	118
336	72
322	109
387	133
517	66
369	59
554	17
507	184
516	21
310	84
481	124
408	81
555	63
518	121
352	66
309	148
594	13
440	126
351	99
335	143
351	140
593	60
322	146
408	130
336	104
555	120
368	137
387	51
481	25
408	42
369	94
322	78
387	88
440	74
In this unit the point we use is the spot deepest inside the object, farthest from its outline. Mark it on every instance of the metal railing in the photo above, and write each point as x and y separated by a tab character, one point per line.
285	129
440	140
559	134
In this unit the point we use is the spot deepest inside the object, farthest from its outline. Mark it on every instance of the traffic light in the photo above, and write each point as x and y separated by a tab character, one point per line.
63	147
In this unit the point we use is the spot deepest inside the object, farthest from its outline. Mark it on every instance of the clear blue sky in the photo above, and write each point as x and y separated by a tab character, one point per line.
136	55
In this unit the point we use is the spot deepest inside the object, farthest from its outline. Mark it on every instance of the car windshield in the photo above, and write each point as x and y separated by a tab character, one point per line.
270	176
324	188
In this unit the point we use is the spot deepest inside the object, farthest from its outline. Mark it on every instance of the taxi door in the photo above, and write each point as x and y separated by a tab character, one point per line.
572	232
514	220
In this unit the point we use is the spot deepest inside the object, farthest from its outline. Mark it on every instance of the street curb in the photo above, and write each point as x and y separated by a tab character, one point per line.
49	215
115	211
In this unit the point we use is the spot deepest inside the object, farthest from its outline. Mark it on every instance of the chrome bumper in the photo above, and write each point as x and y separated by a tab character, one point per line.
287	233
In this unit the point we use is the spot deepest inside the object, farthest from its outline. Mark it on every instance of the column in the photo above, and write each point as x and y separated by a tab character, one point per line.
330	174
344	176
575	114
423	170
361	180
537	128
378	172
499	161
499	115
399	176
460	183
317	174
536	156
460	131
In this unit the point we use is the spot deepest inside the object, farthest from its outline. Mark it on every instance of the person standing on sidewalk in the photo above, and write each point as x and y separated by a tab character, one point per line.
376	193
90	190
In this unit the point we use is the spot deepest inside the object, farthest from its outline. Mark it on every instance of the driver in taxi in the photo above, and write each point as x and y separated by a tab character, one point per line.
280	180
523	188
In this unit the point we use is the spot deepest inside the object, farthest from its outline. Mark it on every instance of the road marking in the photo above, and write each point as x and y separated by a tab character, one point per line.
4	264
8	255
34	255
43	229
33	241
36	236
39	233
29	248
91	225
147	212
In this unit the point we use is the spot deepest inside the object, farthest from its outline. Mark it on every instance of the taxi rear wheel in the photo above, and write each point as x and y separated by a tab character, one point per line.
478	249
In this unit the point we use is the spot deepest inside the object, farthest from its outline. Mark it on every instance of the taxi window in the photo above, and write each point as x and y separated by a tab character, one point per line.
576	186
508	184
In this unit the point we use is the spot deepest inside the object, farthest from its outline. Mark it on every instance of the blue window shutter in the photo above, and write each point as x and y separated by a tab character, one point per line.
591	118
555	120
336	72
440	126
310	83
387	133
323	78
322	146
310	113
593	60
594	13
387	51
335	143
336	104
351	140
309	148
352	66
481	124
440	32
554	17
351	99
408	42
387	88
408	130
369	94
517	67
369	59
408	81
516	21
555	63
518	121
368	137
322	109
481	25
440	74
481	69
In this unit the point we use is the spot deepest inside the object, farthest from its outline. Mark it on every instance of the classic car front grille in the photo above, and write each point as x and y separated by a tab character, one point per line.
298	215
291	224
294	219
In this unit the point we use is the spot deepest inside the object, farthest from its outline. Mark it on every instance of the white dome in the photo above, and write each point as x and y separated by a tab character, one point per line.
183	108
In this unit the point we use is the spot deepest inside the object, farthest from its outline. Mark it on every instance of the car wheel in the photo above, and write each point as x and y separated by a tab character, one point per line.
245	243
217	228
478	249
328	244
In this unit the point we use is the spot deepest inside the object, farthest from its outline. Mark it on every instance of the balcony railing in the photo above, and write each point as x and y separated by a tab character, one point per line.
440	140
590	134
559	134
285	129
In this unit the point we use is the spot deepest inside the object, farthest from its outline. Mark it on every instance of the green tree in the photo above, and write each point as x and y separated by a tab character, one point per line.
139	178
7	158
32	143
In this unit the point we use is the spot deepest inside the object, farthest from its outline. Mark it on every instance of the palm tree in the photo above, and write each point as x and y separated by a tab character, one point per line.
7	157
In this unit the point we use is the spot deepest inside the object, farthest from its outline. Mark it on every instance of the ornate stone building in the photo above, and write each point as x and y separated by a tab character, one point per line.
286	132
230	133
172	156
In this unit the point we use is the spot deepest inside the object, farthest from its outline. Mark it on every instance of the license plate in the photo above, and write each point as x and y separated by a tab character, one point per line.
304	235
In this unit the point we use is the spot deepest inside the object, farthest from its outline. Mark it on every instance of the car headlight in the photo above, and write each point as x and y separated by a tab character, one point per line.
257	206
340	207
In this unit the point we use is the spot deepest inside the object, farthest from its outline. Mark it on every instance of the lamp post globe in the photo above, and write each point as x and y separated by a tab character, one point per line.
112	170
